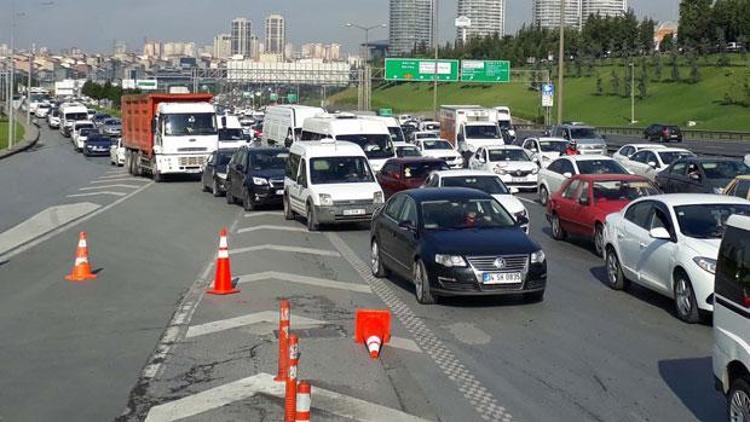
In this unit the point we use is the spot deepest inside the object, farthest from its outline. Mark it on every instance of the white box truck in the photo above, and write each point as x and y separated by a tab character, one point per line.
283	123
469	127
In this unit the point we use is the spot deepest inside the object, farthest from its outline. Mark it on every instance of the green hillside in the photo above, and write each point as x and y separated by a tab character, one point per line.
4	134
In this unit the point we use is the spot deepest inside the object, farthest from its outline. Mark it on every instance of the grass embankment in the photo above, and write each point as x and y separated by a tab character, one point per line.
4	133
665	101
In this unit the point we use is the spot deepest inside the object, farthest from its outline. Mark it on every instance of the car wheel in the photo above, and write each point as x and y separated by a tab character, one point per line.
615	277
228	196
422	288
156	176
215	191
534	297
312	222
684	299
558	233
376	263
599	240
288	213
543	195
247	202
739	400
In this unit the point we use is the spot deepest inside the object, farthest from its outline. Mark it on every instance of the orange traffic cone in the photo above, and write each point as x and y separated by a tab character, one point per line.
81	269
223	277
373	328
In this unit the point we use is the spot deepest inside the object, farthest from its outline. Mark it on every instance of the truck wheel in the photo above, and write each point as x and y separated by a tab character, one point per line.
129	162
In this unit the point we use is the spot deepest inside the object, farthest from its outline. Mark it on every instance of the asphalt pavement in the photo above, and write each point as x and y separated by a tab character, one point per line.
143	341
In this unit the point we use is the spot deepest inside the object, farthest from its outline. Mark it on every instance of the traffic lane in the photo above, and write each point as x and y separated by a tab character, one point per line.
73	351
42	176
586	352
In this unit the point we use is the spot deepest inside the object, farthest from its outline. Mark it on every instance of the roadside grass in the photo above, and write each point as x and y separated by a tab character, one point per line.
4	133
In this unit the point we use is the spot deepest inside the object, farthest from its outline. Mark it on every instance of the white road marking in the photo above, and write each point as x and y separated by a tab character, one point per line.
262	213
124	179
109	187
281	248
42	223
272	227
328	401
112	176
404	343
301	279
245	320
105	192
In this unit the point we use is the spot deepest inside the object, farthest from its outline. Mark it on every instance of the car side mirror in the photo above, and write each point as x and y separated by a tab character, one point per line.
660	233
481	159
522	220
407	225
567	175
652	164
584	201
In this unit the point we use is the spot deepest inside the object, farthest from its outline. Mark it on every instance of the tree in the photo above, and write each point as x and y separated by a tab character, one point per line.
675	69
642	81
694	23
599	85
615	81
657	68
695	75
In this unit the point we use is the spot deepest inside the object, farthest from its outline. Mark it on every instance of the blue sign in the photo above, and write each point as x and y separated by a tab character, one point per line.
548	89
548	95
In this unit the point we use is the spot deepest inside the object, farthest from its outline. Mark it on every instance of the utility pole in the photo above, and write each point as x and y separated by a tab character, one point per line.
632	93
11	121
436	44
364	90
28	85
561	63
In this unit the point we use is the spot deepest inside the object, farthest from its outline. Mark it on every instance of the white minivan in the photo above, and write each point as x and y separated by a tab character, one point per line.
371	135
731	351
283	123
330	182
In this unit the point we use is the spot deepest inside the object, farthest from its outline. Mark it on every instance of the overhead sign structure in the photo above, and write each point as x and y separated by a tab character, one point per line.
548	95
496	71
421	70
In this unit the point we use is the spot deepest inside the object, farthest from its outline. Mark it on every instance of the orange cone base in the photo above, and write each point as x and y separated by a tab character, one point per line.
222	292
74	277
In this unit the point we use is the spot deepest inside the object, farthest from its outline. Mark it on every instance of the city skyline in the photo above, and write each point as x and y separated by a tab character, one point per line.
59	25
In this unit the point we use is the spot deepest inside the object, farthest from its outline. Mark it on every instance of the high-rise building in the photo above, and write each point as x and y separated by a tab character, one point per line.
275	34
255	47
410	25
152	49
546	13
603	7
487	17
222	46
242	29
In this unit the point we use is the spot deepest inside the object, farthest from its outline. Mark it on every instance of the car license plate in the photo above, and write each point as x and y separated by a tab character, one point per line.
354	212
280	192
518	179
501	278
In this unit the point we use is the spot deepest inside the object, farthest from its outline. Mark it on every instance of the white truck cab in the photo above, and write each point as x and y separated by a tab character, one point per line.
186	135
330	182
505	120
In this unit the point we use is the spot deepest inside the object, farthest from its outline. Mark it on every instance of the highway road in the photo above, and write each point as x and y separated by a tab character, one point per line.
143	342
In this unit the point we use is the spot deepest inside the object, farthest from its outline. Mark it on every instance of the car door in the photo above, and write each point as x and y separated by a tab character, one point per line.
656	255
637	163
564	204
387	178
298	191
557	179
237	175
672	180
581	219
206	177
387	228
695	178
405	239
630	233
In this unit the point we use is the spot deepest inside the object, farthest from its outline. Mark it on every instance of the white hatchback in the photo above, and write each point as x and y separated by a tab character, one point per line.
512	163
117	153
649	162
627	150
553	176
669	244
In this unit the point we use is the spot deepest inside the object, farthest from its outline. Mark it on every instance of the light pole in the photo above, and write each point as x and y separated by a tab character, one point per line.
366	30
364	74
436	44
561	64
632	93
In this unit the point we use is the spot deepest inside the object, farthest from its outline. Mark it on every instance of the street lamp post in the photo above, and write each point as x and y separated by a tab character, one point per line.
364	72
632	93
561	64
436	45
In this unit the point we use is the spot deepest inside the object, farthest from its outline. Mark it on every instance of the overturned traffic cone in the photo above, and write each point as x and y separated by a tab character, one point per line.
373	328
81	269
223	277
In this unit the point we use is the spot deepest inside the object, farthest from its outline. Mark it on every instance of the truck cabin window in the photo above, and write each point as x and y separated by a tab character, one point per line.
190	124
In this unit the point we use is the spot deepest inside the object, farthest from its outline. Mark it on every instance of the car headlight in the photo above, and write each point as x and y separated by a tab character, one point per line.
260	181
377	198
325	200
535	170
538	257
707	264
450	260
500	171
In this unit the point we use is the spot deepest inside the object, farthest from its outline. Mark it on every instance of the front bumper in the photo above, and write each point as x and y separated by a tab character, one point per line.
182	164
268	195
336	214
97	153
522	182
464	282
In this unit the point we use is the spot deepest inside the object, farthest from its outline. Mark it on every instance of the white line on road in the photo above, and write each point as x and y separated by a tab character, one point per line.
328	401
109	187
106	192
112	176
281	248
124	179
245	320
301	279
262	213
272	227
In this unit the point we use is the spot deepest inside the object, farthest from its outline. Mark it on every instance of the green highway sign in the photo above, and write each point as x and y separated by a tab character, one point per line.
497	71
421	70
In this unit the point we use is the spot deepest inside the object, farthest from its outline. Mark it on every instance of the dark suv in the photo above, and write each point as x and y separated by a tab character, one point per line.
663	133
256	176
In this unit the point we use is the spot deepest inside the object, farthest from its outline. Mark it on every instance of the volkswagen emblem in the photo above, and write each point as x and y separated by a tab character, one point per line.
499	263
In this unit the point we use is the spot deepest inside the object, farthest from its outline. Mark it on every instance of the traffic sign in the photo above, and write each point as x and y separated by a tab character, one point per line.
497	71
291	98
548	95
273	96
421	70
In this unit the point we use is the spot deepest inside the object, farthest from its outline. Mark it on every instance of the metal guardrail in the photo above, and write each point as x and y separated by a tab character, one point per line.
692	134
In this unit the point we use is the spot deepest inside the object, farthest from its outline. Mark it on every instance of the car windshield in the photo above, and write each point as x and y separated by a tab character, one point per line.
508	155
408	152
483	132
552	146
423	169
600	167
436	144
231	135
707	221
465	214
488	184
397	135
86	131
619	190
669	157
76	116
374	146
504	124
268	159
111	122
340	170
724	169
190	124
584	133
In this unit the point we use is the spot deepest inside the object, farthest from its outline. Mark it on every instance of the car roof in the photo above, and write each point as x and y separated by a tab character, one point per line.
463	173
609	177
403	144
677	199
670	149
577	158
438	194
408	160
645	146
551	138
501	147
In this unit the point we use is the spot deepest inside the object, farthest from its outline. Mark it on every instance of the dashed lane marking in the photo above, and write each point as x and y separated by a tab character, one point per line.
272	227
124	179
245	320
104	192
325	400
262	213
478	395
109	187
301	279
281	248
112	176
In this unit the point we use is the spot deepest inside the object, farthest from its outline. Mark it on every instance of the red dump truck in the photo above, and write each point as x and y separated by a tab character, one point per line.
168	133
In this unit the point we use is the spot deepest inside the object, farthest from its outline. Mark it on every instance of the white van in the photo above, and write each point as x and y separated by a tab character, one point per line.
371	135
283	123
397	134
70	113
330	182
731	351
230	131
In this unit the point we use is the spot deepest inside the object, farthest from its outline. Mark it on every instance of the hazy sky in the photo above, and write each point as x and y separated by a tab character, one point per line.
94	24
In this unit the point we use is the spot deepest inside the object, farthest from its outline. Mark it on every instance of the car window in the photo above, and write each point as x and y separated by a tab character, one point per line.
724	169
659	219
620	190
625	151
508	155
570	191
639	157
292	164
733	266
302	177
393	209
555	166
567	167
707	221
639	213
604	166
741	188
678	169
583	192
408	212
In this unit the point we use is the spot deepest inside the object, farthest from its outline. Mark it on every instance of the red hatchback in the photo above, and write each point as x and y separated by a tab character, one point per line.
584	201
405	173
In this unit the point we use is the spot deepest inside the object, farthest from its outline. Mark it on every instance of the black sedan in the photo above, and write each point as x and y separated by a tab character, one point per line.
700	175
96	144
215	171
455	242
256	176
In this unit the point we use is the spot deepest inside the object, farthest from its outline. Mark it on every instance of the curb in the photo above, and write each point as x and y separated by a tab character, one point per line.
32	137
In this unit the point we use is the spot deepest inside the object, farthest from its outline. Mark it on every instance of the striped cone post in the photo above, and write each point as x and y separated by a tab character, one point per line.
304	402
284	321
290	399
223	277
81	268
